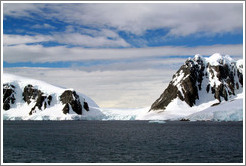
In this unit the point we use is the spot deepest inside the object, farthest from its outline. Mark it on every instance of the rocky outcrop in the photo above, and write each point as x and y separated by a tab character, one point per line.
25	98
71	101
191	74
228	77
220	77
31	94
86	106
8	96
42	102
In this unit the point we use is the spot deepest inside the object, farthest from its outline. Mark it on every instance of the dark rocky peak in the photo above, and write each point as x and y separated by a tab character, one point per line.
38	99
218	75
29	93
8	96
225	77
41	100
184	85
197	62
71	101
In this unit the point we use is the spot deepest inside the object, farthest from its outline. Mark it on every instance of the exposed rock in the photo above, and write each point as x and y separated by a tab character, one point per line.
191	74
184	119
222	78
86	106
66	108
215	104
70	98
226	76
240	77
25	98
166	97
8	96
41	103
30	93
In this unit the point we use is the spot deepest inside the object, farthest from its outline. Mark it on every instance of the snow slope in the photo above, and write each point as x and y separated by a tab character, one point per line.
226	111
20	109
231	110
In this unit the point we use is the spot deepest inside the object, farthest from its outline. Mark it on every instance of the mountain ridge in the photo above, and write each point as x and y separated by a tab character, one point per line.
34	99
199	80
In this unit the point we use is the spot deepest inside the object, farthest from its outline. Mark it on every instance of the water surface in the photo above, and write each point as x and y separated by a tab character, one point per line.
122	142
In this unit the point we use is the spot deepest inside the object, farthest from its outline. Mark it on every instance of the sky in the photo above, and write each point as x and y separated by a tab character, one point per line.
122	55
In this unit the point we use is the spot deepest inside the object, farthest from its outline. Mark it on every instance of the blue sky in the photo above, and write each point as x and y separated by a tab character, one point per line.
117	37
118	26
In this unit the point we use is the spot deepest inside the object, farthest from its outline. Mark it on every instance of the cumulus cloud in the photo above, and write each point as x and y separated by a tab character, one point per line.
180	18
104	38
41	54
21	9
43	26
78	39
24	39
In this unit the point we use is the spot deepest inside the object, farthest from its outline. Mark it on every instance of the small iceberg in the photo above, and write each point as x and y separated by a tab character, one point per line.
157	121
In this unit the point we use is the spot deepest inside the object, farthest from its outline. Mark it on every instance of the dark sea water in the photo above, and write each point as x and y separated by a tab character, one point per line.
122	142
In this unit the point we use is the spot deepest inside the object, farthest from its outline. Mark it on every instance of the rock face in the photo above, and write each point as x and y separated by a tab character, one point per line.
8	96
86	106
218	75
71	100
32	94
40	101
25	98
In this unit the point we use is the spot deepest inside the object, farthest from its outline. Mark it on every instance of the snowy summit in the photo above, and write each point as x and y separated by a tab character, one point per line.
29	99
202	82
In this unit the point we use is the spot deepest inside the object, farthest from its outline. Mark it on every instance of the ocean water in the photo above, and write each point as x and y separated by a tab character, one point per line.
122	142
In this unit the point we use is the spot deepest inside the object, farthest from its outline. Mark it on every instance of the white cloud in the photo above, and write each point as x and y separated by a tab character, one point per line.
132	64
21	9
88	41
24	39
43	26
103	38
181	18
41	54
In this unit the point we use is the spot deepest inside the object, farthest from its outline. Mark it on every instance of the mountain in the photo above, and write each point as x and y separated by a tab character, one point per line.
202	89
26	99
202	81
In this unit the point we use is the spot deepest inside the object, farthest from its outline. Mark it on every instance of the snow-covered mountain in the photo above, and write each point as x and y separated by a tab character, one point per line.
202	89
36	100
202	82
